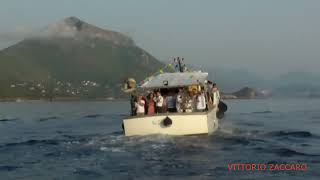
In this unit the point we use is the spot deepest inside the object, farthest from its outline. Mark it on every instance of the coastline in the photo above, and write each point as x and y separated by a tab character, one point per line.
58	99
69	99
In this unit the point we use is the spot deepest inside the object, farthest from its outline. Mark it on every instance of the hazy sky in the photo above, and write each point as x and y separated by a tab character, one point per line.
266	36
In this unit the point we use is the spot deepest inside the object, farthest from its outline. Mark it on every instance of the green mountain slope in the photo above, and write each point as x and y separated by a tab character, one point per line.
87	54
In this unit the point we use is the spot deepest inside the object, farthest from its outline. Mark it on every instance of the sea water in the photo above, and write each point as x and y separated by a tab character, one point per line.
84	140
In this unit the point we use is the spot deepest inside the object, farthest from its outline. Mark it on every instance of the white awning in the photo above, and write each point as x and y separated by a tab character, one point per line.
170	80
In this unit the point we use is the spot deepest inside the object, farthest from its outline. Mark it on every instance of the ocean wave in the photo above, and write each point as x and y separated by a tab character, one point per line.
262	112
286	152
33	142
85	172
239	131
62	132
53	154
8	119
111	149
93	116
48	118
283	151
9	168
300	134
251	124
111	116
233	140
84	137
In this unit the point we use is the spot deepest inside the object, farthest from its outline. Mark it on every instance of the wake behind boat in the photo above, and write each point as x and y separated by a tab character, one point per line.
185	103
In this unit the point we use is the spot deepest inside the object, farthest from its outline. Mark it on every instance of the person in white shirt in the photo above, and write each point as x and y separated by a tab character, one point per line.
179	101
159	102
201	102
140	106
216	96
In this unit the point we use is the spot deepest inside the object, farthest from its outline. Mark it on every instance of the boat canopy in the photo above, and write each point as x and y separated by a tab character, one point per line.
177	79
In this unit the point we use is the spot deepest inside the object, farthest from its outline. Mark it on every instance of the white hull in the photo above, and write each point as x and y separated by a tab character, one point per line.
182	124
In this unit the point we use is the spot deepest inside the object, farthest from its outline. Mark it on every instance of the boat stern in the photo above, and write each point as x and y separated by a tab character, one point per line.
170	124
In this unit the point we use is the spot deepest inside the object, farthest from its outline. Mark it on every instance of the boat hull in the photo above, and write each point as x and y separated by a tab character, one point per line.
181	124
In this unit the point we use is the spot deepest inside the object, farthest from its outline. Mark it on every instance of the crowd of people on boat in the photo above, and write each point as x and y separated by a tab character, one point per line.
182	100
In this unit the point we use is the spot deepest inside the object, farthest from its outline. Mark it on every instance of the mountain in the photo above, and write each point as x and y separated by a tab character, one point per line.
247	92
72	52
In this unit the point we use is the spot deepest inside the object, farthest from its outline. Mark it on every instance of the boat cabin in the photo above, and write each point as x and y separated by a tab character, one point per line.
179	92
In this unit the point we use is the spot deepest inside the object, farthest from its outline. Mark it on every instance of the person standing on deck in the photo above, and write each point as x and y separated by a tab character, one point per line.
151	104
179	101
159	102
140	106
215	95
145	105
133	101
200	102
189	102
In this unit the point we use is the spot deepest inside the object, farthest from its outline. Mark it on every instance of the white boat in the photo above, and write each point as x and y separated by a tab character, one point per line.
183	123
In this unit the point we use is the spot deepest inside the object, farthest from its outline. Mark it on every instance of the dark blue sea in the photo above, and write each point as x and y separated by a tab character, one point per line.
84	140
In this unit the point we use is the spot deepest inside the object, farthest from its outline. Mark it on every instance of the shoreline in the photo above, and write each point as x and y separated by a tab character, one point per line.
93	99
58	99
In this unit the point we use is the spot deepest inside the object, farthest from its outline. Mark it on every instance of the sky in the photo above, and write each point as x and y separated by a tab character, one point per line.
269	37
